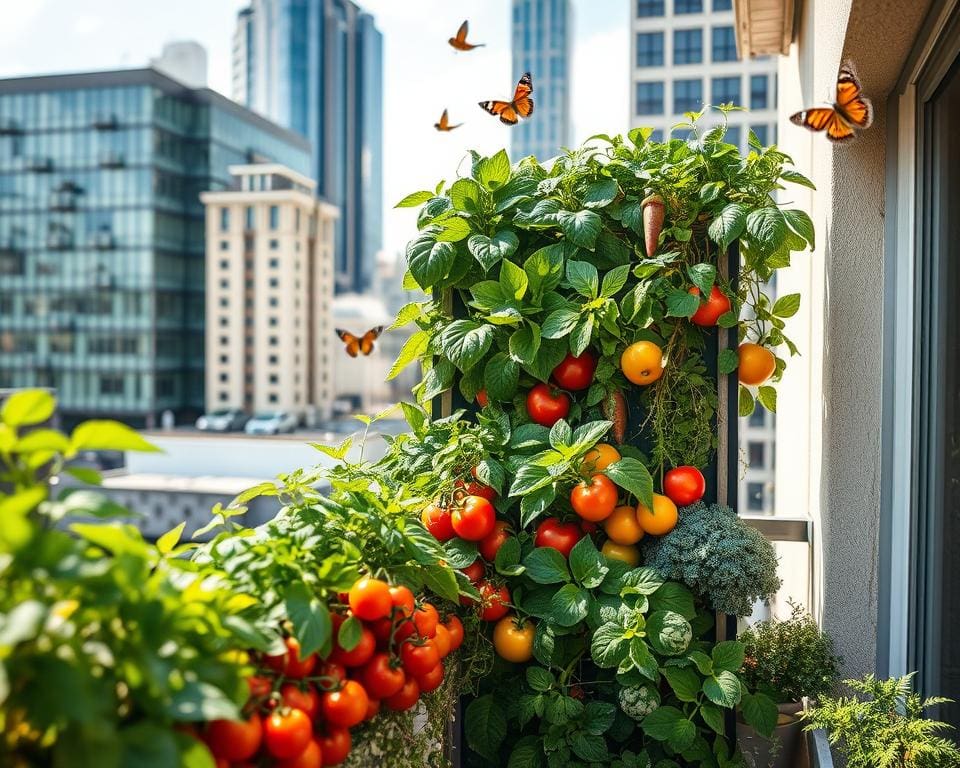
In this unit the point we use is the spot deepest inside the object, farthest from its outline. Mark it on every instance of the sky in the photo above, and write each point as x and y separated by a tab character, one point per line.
422	74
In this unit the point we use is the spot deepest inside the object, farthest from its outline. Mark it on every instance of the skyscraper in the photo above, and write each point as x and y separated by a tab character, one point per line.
102	234
542	36
315	66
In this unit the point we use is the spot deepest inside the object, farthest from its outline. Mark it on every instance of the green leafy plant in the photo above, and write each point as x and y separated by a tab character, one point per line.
883	725
790	659
725	561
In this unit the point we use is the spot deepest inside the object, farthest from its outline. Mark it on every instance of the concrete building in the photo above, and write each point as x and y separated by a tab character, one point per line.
183	60
542	43
868	446
269	294
683	54
316	67
101	234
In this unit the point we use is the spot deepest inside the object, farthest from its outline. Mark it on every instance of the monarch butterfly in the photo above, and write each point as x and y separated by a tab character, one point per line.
521	106
852	110
363	344
460	41
444	124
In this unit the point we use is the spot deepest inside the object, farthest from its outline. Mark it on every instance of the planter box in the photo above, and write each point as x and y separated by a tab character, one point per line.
818	747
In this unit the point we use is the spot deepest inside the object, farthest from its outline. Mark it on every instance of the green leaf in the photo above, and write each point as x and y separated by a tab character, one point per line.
545	565
609	646
723	689
310	618
438	379
727	361
580	228
513	280
465	195
728	319
540	679
507	560
442	581
536	503
108	436
583	278
81	502
459	553
525	754
714	718
350	633
703	662
797	178
598	717
673	596
544	268
500	377
684	681
560	323
544	643
485	726
85	475
600	193
582	333
759	711
669	724
413	348
453	230
614	280
414	199
631	216
430	260
728	224
641	581
587	564
642	659
746	403
710	191
28	406
669	633
767	226
116	539
589	747
524	343
569	604
802	224
45	440
728	655
768	398
490	250
787	306
631	475
170	539
465	342
494	172
682	304
703	276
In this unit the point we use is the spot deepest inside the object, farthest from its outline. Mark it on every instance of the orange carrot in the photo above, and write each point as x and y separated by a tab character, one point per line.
653	215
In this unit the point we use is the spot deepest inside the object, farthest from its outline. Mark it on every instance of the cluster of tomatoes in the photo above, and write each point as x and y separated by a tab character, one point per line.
301	710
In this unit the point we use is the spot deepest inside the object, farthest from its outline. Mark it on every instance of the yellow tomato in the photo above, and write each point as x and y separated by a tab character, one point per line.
598	458
623	552
642	362
662	519
623	527
513	638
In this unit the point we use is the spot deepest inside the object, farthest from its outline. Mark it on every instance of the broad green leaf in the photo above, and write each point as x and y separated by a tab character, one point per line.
746	402
675	597
713	716
491	250
116	539
429	259
526	754
767	226
459	553
703	662
797	178
727	361
631	475
583	278
642	659
524	343
723	689
609	646
544	643
540	679
768	398
414	199
536	503
465	195
507	560
598	717
494	172
684	681
442	581
728	655
350	633
465	342
787	306
669	724
544	268
728	224
641	581
545	565
560	323
45	440
310	618
580	228
107	436
581	335
760	711
513	280
614	280
500	377
485	726
801	223
587	564
631	216
600	193
703	276
170	539
589	747
682	304
28	406
569	605
413	348
453	230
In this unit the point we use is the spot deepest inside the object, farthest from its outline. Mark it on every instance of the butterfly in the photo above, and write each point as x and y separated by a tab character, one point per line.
364	344
850	112
460	41
521	106
444	124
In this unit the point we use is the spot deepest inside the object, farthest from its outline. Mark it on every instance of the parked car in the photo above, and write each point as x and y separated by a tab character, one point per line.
271	423
226	420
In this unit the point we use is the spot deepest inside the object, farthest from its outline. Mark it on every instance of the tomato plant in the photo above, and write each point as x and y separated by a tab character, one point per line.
303	698
575	372
437	520
474	518
560	536
710	311
431	680
513	639
381	676
546	406
405	698
335	745
418	659
287	733
235	739
684	485
370	599
594	499
490	544
494	601
345	707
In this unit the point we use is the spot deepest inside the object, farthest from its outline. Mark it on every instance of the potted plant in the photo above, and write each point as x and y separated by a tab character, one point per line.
790	661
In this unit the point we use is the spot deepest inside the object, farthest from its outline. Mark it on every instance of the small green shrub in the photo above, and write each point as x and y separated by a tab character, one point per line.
718	556
885	727
790	659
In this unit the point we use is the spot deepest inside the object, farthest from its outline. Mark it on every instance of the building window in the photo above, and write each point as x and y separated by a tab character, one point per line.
650	98
732	136
274	217
274	262
224	219
274	301
755	497
224	322
296	220
274	322
724	44
273	360
725	90
224	397
759	88
224	245
272	397
687	46
274	341
224	359
224	341
649	8
687	6
224	301
248	217
224	283
755	452
758	418
657	135
274	244
224	378
760	131
722	5
274	378
687	95
111	385
274	282
650	49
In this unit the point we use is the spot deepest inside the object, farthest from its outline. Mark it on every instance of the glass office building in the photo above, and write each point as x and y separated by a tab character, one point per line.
316	67
102	234
542	38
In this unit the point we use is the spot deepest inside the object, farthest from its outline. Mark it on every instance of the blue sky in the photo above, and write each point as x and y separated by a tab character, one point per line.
422	74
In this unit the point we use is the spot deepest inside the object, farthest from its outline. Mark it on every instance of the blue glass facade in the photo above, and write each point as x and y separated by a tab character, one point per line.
316	67
102	234
542	38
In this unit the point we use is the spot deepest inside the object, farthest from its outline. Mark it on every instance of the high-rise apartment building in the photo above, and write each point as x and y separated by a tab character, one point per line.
683	54
542	44
102	234
316	67
270	335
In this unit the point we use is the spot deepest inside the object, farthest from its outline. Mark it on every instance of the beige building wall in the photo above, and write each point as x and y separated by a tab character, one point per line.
269	288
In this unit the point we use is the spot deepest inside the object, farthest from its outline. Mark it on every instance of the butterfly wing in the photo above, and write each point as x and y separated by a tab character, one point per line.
366	343
352	342
815	119
851	103
444	121
522	102
502	109
839	130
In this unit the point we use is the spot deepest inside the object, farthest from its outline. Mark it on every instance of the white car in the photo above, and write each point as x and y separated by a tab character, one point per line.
271	423
226	420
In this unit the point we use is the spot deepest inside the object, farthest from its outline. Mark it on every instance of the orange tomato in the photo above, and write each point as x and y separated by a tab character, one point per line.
623	552
513	639
594	499
623	527
756	364
598	458
642	362
662	519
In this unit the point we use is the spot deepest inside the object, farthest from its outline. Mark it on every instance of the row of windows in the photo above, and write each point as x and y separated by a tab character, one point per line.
734	135
687	46
688	94
653	8
273	216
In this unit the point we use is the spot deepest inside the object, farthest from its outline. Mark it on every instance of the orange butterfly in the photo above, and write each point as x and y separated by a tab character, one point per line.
852	110
460	41
444	124
522	104
364	344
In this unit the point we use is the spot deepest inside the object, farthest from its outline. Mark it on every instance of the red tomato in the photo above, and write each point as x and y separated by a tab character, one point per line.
426	619
474	518
306	699
405	698
345	707
290	664
287	732
441	641
545	407
474	571
588	527
482	398
311	757
495	601
684	485
335	743
594	500
432	680
561	536
381	677
381	629
360	654
575	373
475	489
330	675
419	659
710	310
403	602
373	707
370	599
490	544
455	629
235	740
437	521
259	686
